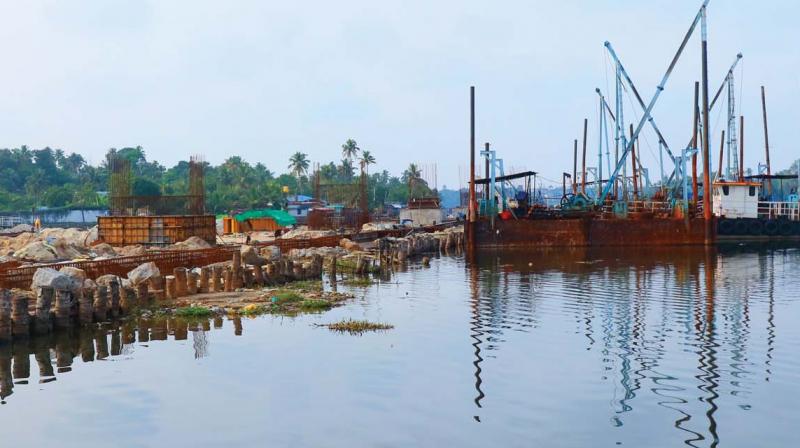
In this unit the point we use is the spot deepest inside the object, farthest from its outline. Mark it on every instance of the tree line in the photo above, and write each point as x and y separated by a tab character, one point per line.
33	179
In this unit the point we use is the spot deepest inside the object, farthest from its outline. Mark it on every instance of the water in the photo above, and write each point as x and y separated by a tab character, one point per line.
658	349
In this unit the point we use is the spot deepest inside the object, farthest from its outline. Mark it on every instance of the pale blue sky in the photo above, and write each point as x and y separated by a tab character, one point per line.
263	79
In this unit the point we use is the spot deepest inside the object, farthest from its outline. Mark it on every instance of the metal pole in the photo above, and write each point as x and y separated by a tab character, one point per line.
694	142
766	139
633	166
599	185
709	229
583	170
741	148
472	198
487	193
721	151
575	168
661	162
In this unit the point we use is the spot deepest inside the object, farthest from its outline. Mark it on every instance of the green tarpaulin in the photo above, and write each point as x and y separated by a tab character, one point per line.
282	218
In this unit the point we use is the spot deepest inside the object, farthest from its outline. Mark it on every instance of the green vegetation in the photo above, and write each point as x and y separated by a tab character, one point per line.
52	178
285	297
358	326
193	311
306	285
349	265
315	304
359	281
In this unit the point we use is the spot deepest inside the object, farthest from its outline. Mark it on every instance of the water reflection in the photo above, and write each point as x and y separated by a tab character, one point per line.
645	311
55	353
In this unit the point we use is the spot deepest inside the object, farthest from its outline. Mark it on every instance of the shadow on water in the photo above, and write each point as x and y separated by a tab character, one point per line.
631	302
55	353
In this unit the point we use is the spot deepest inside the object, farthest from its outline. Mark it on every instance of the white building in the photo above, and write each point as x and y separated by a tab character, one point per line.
735	199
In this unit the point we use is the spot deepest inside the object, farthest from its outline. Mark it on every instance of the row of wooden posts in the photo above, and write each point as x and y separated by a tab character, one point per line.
396	251
60	309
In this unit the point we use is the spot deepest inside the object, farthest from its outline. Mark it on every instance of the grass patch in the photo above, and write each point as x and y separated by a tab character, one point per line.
359	281
286	297
358	326
315	304
193	311
305	285
349	265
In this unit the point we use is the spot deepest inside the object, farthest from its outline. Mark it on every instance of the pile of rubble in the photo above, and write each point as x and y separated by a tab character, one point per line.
303	233
57	244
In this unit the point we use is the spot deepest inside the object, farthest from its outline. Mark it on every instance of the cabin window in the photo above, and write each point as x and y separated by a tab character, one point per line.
752	191
725	190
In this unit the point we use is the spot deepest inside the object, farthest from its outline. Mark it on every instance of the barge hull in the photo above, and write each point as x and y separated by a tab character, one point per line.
587	232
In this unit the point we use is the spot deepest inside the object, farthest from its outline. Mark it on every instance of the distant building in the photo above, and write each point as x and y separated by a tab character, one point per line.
422	212
299	205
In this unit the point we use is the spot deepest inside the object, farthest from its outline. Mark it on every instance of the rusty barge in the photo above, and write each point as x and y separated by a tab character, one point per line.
622	208
689	205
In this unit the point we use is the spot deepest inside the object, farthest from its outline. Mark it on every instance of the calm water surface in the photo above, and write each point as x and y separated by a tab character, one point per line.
663	348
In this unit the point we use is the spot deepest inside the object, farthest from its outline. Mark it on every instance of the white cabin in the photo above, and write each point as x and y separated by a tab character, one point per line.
736	199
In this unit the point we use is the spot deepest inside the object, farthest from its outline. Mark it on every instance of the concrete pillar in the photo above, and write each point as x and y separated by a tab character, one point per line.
5	315
216	278
191	282
115	298
203	287
101	303
63	308
169	282
180	281
44	300
143	293
258	275
20	317
86	306
127	300
229	280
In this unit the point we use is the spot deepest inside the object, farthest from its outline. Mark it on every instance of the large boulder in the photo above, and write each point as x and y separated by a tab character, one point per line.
48	277
77	274
19	228
143	272
66	250
271	253
193	242
250	255
104	250
89	284
38	251
107	279
129	251
351	246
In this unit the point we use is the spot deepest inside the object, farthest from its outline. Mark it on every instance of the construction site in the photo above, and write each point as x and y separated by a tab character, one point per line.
155	251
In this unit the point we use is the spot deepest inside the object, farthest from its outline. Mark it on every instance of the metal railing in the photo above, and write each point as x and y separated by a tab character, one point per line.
6	222
772	210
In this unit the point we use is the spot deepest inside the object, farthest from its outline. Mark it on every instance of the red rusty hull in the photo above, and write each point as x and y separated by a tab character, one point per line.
588	232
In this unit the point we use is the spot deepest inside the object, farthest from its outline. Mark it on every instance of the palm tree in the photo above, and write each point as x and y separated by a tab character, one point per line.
367	159
346	170
412	173
298	164
411	176
350	149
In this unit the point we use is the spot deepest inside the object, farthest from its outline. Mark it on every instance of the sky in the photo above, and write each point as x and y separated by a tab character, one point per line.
264	79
